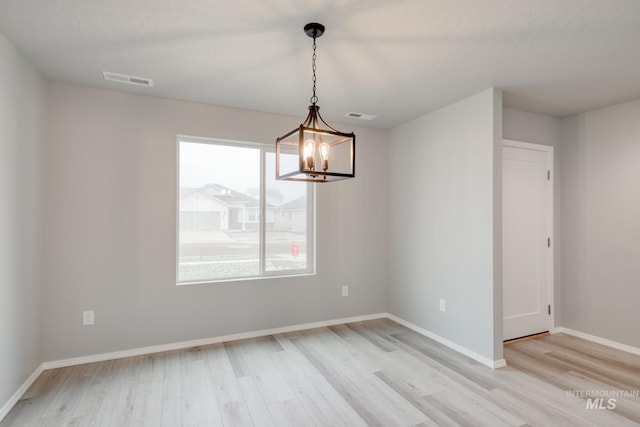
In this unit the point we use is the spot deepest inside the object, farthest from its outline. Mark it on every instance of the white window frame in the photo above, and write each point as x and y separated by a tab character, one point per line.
262	216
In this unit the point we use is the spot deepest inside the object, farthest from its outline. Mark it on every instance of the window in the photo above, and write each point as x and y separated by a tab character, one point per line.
234	219
251	215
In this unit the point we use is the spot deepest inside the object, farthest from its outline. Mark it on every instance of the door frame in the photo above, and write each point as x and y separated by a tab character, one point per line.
548	149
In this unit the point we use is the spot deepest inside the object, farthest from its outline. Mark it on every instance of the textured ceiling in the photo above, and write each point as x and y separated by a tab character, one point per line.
393	59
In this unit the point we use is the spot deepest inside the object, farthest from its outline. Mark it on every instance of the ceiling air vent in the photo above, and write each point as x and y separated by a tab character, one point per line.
131	80
360	116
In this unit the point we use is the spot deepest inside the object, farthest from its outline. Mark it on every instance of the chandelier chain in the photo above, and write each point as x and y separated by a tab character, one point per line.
314	98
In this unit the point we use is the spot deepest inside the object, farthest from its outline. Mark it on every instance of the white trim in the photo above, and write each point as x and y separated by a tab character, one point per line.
598	340
22	390
493	364
205	341
551	194
500	363
527	145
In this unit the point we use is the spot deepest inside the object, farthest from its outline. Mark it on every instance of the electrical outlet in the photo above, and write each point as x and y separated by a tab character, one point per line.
443	305
88	317
345	291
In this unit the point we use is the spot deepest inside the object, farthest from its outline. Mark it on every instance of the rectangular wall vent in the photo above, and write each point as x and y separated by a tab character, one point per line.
360	116
131	80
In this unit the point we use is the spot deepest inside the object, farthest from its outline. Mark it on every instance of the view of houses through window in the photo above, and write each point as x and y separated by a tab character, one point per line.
234	219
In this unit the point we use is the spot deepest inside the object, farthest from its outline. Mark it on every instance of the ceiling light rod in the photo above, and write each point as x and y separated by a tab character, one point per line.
314	141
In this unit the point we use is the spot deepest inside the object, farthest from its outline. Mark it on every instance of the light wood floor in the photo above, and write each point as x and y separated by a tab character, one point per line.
374	373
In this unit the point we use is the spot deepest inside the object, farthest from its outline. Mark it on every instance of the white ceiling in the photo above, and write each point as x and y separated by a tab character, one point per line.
394	59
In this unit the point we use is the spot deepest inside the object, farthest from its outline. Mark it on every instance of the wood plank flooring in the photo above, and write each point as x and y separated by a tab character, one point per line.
374	373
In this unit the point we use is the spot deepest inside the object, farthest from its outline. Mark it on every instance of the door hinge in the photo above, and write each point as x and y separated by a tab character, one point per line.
548	242
549	309
548	175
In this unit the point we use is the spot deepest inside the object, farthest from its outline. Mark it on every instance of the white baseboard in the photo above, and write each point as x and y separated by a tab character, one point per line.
205	341
4	410
493	364
596	339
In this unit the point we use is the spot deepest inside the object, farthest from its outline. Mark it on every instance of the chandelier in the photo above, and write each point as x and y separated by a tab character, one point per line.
315	151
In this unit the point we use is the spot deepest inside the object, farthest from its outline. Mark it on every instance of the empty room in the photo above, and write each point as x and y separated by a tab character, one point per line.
330	213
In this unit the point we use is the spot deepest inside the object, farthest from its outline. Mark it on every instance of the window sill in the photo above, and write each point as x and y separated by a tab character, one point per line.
247	279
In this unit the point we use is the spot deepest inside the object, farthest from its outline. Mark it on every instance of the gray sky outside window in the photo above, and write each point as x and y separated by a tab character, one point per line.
233	167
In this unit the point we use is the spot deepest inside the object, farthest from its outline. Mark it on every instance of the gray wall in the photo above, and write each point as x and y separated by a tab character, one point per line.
111	229
544	130
21	150
600	154
442	199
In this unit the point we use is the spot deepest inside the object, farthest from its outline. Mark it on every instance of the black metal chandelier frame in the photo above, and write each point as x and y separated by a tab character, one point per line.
323	140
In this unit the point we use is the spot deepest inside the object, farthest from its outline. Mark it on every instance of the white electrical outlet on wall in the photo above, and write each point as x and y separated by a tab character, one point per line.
88	317
443	305
345	291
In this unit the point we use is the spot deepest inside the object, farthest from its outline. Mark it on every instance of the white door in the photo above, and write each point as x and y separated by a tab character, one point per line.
527	225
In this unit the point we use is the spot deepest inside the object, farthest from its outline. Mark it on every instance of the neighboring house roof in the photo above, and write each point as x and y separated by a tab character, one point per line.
226	195
295	205
274	195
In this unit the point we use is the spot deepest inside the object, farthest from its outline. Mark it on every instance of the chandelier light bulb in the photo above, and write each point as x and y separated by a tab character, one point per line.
309	154
324	155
